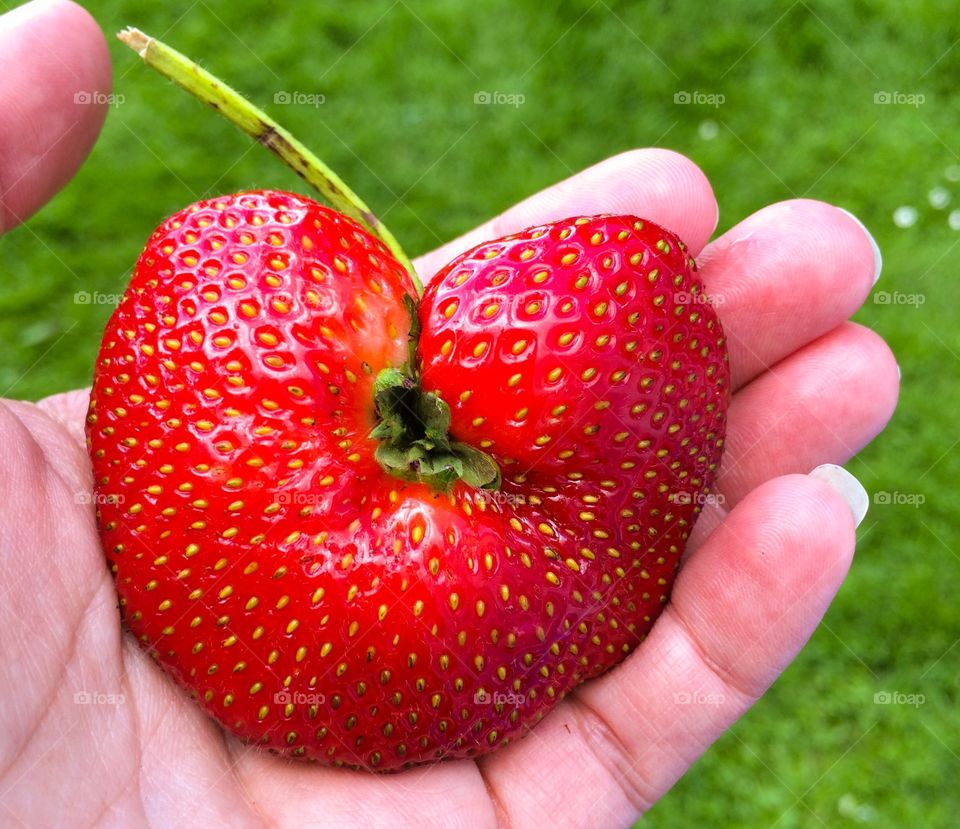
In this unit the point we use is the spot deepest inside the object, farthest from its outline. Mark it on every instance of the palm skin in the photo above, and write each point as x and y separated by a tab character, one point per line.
92	732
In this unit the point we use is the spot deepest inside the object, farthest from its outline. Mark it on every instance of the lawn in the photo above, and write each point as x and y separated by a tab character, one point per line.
852	103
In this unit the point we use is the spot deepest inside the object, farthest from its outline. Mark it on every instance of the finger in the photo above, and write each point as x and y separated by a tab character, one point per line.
741	609
821	404
659	185
54	78
70	410
786	275
298	794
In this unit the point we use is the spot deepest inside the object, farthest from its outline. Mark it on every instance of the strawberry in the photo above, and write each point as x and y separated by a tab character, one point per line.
377	533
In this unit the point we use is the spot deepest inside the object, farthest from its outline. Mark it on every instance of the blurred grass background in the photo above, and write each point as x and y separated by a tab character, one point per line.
799	117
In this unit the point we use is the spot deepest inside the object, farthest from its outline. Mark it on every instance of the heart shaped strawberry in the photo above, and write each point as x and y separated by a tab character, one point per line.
377	531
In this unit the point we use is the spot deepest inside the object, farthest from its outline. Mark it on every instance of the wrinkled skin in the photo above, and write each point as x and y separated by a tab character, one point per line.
810	387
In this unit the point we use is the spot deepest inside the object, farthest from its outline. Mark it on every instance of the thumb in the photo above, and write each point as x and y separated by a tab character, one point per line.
54	78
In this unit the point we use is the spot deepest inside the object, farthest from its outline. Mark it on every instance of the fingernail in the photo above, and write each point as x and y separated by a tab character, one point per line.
877	256
848	487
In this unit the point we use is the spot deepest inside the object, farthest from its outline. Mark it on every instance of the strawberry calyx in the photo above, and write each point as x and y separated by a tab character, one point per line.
415	442
414	430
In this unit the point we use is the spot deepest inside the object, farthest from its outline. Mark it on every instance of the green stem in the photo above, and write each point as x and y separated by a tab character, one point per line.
263	129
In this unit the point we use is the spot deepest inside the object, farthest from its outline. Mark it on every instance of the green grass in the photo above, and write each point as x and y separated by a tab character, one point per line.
799	119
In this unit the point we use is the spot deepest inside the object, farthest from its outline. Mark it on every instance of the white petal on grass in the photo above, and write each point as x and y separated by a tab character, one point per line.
939	197
905	216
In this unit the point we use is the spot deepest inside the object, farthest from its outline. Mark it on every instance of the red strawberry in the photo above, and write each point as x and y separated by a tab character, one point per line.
322	606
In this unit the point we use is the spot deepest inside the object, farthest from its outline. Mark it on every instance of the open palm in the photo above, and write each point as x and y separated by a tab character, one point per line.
93	733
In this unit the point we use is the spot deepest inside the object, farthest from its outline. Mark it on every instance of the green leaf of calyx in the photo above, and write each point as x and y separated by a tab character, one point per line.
414	433
434	414
479	470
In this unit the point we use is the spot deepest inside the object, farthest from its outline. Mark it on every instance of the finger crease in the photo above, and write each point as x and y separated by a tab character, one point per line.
605	744
724	675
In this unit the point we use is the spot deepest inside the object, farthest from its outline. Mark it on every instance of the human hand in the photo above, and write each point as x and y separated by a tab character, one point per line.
95	734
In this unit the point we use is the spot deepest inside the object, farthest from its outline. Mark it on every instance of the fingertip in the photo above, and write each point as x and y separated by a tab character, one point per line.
874	247
786	275
685	200
805	513
658	185
873	358
830	233
846	486
56	79
653	183
822	404
788	544
69	409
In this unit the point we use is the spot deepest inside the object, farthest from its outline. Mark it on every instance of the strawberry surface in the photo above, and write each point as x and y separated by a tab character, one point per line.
323	606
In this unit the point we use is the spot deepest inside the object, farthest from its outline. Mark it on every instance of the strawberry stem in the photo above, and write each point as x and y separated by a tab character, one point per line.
262	128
